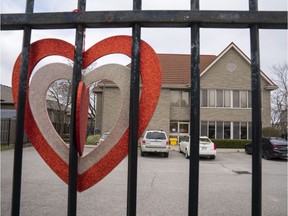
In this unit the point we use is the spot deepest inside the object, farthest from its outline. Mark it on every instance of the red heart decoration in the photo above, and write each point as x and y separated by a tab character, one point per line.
151	77
81	116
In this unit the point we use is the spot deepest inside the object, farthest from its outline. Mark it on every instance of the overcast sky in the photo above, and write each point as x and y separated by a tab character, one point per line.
273	43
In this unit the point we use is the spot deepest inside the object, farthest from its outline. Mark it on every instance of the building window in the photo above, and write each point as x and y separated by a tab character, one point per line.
244	130
236	130
204	97
173	127
249	99
236	97
179	127
211	98
249	130
211	130
183	127
226	130
204	128
219	130
179	98
225	98
219	98
243	100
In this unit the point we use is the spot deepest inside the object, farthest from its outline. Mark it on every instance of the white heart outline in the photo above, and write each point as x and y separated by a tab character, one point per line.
119	74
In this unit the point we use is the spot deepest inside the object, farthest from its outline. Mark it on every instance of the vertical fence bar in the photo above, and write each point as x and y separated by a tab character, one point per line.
73	153
256	117
23	81
133	117
194	116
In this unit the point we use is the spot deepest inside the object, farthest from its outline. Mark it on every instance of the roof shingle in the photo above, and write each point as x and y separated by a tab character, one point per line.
176	67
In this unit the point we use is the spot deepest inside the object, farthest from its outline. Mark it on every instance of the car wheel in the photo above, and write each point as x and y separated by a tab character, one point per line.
246	150
186	154
142	153
180	150
267	155
166	154
213	157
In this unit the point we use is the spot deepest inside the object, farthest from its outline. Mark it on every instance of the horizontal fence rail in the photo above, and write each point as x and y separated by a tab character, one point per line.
106	19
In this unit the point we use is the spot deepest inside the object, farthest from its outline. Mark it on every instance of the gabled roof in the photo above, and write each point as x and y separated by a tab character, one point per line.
271	84
6	95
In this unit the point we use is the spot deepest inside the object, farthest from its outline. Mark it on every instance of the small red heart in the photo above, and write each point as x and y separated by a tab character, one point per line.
151	77
81	116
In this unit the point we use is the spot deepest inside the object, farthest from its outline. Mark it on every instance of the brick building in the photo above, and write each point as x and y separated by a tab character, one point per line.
225	96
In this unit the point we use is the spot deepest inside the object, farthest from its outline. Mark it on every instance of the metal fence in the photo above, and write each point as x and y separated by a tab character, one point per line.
136	19
8	127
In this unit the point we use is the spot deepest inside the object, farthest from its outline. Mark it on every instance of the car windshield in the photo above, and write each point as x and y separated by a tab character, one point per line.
103	136
278	142
155	135
204	139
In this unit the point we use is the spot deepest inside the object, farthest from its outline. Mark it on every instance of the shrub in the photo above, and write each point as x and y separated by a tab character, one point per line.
227	143
271	132
92	139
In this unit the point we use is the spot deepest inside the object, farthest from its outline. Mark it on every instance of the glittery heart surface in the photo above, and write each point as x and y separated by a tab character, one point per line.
150	71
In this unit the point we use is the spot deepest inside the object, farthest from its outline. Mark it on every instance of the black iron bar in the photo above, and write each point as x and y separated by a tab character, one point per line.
256	117
194	116
133	117
120	19
21	101
73	153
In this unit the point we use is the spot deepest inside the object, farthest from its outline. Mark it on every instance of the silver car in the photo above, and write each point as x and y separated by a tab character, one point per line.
206	147
155	141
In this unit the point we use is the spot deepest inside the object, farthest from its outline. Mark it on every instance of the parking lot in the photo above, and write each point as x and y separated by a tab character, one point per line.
225	187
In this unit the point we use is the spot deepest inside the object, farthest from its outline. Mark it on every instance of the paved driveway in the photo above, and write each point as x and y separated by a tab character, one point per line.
225	187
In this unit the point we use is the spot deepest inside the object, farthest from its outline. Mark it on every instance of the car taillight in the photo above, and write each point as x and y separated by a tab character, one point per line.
167	142
143	142
214	146
276	147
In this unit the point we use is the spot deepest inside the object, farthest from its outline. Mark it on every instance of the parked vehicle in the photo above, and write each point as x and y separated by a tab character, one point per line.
206	147
103	136
273	147
155	141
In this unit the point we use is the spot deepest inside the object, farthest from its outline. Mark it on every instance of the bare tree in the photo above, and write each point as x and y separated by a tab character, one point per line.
59	95
279	102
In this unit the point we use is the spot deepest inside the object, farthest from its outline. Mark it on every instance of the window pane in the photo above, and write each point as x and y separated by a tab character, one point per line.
243	99
156	135
204	98
175	98
227	130
212	130
204	128
219	94
250	130
219	130
227	98
249	99
243	130
185	99
235	98
184	128
211	98
173	127
236	130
